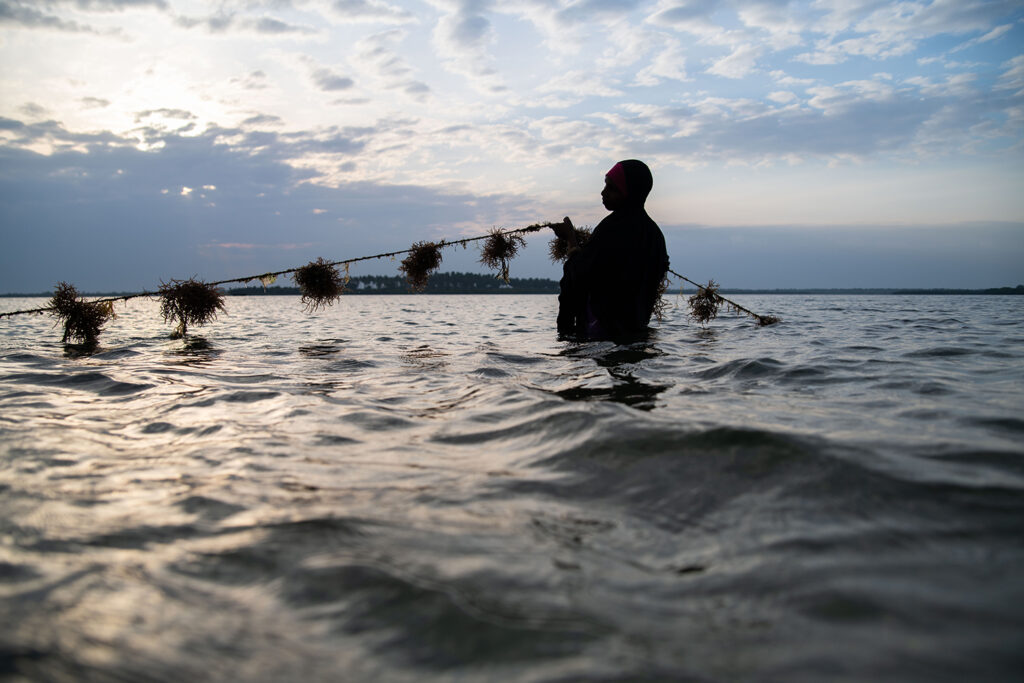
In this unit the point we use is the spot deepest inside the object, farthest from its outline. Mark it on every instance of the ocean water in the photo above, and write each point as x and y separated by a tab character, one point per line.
419	488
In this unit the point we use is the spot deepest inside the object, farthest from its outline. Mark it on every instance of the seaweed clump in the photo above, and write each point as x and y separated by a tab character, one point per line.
321	284
424	258
499	249
83	320
660	302
190	302
558	248
705	303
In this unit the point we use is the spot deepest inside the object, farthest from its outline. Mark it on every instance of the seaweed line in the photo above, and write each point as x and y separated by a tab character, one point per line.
326	284
269	277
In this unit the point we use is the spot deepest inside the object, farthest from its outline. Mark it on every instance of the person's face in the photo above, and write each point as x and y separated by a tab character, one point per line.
611	197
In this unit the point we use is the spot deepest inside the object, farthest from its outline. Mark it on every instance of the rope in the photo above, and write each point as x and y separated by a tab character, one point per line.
390	254
763	319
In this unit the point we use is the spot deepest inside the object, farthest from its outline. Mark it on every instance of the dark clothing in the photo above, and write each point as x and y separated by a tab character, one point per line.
610	286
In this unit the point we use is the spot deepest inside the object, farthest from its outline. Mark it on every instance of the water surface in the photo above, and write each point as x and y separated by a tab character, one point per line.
436	488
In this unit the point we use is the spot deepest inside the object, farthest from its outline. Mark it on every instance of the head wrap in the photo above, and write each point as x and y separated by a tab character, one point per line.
617	175
633	179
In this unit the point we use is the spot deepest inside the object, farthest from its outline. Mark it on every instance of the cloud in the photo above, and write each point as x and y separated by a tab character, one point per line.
784	23
112	5
994	34
54	135
693	16
953	86
1013	77
919	21
782	78
329	81
875	46
838	99
580	84
741	62
254	80
466	28
164	113
214	24
378	54
863	119
271	26
33	109
668	64
462	37
884	30
94	102
586	11
224	22
26	16
333	140
263	120
370	10
782	96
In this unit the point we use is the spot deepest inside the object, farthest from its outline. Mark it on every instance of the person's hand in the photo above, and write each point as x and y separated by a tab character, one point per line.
566	231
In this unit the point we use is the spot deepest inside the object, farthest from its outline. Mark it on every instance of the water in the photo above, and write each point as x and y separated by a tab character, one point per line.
417	488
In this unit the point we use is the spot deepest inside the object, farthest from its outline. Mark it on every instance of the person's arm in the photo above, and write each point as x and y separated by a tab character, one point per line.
570	297
566	231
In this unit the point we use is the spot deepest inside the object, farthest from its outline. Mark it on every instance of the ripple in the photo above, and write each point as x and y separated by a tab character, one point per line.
209	508
757	368
96	382
433	627
939	352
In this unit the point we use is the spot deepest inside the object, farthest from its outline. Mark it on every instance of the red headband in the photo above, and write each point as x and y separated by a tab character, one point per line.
618	177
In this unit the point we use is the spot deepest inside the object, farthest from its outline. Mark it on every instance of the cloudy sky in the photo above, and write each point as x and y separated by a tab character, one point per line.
829	143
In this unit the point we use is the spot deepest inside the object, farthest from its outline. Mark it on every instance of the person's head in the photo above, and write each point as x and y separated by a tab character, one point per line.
626	185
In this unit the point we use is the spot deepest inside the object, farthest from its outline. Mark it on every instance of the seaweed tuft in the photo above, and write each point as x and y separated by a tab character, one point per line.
705	303
661	304
765	320
424	258
499	249
83	320
558	248
321	284
189	302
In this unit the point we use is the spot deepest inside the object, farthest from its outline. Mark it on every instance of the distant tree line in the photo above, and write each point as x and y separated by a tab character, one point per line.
439	283
1019	289
474	283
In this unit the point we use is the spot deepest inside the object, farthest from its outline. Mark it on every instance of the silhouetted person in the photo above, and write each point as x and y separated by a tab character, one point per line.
610	285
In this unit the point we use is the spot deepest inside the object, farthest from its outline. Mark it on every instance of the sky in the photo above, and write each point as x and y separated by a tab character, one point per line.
822	143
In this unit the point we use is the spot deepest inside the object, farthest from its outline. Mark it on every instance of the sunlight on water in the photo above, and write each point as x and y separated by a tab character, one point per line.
435	487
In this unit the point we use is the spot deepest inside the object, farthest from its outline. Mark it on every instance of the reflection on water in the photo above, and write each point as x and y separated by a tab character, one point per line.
424	357
195	350
449	492
319	350
81	350
623	365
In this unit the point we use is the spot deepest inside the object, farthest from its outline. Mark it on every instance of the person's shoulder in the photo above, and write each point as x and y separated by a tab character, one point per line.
610	219
653	222
644	218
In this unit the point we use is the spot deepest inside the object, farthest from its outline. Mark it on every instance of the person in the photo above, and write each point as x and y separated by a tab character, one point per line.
610	284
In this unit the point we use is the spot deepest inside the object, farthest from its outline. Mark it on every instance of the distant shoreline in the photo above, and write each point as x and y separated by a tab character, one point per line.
476	283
